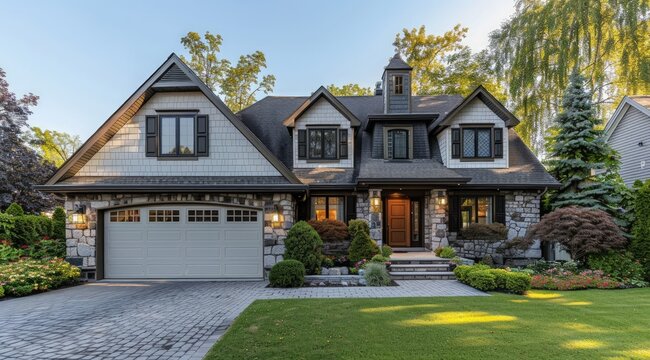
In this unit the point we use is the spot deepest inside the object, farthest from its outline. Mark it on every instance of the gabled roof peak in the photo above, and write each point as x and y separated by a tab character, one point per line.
321	92
396	63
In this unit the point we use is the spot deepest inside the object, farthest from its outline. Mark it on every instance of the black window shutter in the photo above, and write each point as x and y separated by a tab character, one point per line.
454	213
455	143
343	143
202	125
498	142
351	208
500	209
151	136
302	144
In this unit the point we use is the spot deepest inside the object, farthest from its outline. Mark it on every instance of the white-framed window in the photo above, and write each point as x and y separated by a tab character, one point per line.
124	216
203	215
241	215
164	215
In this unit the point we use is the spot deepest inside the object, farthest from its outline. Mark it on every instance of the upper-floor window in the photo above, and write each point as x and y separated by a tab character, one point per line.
177	135
476	143
322	143
397	144
398	85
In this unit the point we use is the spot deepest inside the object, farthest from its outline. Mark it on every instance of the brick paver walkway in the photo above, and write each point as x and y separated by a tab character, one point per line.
155	320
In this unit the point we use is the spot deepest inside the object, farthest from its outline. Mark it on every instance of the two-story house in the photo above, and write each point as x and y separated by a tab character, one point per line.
628	132
174	185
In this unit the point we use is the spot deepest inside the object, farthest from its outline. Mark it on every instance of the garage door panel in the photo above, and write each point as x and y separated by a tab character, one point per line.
183	249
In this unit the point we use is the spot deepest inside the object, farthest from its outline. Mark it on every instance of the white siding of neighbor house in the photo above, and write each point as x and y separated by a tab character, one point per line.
634	127
230	154
323	113
476	112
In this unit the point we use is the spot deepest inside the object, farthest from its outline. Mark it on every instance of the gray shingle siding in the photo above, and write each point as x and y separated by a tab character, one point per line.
420	139
633	128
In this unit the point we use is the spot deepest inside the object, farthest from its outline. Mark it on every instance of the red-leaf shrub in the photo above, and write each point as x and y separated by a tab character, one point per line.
554	279
330	230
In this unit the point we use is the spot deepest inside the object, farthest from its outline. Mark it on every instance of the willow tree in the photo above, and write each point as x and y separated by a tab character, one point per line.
535	51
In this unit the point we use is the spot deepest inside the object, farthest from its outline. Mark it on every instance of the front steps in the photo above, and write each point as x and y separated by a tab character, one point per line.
425	268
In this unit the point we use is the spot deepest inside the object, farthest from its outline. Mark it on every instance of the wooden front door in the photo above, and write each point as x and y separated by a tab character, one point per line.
398	217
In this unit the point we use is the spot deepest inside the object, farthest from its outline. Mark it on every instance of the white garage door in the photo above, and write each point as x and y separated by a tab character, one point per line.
183	241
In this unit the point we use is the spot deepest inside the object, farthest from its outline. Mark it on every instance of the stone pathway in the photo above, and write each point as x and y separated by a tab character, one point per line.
156	320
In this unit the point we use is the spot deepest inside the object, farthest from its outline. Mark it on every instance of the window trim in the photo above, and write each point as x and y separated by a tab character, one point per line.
322	141
409	144
397	86
475	197
327	206
476	128
177	117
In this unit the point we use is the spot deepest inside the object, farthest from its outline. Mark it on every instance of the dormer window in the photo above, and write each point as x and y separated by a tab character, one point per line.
476	143
398	143
398	84
323	144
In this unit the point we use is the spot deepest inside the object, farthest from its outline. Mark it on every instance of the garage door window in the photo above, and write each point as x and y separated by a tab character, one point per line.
242	216
125	216
164	215
203	215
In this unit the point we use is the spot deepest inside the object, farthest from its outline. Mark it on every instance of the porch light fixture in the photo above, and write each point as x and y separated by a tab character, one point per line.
78	218
375	202
442	199
277	217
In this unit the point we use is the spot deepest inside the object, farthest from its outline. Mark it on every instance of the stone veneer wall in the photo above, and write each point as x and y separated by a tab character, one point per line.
435	220
81	243
522	211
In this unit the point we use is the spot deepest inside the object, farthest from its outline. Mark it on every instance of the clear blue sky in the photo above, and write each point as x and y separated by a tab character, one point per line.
84	58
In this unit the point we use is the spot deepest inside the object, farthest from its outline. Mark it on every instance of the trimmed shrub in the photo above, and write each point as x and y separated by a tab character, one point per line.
517	282
25	233
327	262
437	251
379	259
376	275
6	226
447	252
42	225
330	230
357	225
500	276
15	210
493	232
2	292
8	253
482	279
304	244
463	271
640	245
26	276
361	247
386	251
58	223
287	274
48	249
619	266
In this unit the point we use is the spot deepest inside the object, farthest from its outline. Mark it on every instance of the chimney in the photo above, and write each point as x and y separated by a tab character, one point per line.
378	90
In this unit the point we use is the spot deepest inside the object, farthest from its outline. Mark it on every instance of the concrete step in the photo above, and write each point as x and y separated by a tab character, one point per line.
419	261
419	267
443	275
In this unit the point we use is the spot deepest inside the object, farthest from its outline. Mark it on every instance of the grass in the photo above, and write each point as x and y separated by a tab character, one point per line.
590	324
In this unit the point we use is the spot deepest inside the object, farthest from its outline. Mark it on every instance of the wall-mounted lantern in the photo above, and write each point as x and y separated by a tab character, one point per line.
442	199
375	202
78	217
277	218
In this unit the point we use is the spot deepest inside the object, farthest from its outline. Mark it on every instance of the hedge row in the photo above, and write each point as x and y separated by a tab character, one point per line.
484	278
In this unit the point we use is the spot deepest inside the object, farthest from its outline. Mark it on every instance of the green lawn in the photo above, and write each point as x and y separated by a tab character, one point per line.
590	324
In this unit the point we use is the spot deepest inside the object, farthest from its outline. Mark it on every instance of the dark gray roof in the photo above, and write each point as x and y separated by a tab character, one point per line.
426	170
174	180
322	175
524	169
396	63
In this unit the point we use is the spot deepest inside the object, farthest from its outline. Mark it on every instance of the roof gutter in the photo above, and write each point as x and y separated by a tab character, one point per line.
164	188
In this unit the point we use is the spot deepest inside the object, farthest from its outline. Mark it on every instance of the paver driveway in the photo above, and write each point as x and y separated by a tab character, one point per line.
154	320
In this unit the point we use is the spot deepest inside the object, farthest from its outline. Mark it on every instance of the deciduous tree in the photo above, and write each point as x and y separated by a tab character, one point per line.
349	90
54	146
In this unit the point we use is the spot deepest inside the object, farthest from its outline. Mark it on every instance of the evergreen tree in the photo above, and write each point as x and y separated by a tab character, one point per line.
581	159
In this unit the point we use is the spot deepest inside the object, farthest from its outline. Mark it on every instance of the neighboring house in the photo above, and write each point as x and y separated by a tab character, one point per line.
174	185
628	132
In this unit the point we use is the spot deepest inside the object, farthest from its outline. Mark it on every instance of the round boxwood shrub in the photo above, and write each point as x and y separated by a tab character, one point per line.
447	252
386	251
361	246
376	274
517	282
358	225
287	274
304	244
482	279
462	271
